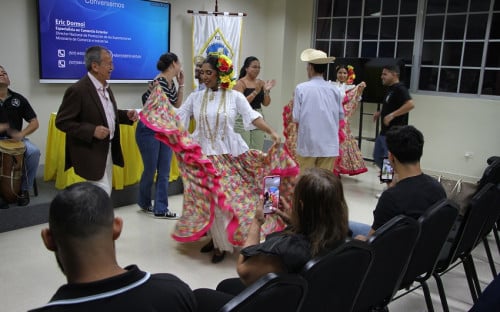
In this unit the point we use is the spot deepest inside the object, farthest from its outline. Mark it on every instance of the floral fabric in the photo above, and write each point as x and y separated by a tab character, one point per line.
350	160
232	184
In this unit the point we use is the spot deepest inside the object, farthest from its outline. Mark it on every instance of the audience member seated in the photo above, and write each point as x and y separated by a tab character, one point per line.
82	230
17	108
411	192
318	224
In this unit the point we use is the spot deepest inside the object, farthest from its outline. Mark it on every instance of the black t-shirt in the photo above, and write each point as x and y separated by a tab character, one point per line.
396	96
133	290
410	197
3	116
16	108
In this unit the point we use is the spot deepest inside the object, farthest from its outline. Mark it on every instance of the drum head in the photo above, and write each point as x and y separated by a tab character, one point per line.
12	147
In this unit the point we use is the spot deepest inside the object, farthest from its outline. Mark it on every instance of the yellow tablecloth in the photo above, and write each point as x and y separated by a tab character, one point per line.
128	175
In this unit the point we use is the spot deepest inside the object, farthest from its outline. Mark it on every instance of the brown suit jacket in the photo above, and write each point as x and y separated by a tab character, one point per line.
79	114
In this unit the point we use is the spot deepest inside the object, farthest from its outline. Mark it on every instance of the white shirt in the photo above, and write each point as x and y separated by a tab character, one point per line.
317	108
225	139
109	110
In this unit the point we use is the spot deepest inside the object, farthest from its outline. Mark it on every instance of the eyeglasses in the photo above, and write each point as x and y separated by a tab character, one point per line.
256	67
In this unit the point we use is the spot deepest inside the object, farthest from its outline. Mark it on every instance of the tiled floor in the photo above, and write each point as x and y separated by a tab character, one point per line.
29	274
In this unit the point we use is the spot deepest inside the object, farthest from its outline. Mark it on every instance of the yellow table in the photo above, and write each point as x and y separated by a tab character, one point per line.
128	175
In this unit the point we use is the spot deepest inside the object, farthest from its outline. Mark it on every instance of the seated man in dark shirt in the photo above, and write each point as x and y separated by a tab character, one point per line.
82	231
412	192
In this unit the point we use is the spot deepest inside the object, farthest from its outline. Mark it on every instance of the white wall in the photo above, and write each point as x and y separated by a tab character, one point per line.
276	32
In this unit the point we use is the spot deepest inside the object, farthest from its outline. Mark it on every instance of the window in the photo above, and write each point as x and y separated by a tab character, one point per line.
452	46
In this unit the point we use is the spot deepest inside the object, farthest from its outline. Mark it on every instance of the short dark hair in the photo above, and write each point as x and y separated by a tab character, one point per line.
80	211
319	68
392	68
93	55
406	143
319	209
166	60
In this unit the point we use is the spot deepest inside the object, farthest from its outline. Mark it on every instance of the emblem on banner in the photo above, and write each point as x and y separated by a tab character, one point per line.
217	43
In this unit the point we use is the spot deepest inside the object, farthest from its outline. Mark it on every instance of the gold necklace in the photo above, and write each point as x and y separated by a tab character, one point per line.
204	123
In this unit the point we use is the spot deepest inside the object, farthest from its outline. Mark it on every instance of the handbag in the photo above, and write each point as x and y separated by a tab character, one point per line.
459	191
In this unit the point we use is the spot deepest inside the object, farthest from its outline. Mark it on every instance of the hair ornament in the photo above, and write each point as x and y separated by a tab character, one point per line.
350	74
225	70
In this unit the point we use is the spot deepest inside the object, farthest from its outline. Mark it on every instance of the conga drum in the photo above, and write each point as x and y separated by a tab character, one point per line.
11	169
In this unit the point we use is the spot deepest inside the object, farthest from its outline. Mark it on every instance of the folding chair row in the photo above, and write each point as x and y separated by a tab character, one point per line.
476	223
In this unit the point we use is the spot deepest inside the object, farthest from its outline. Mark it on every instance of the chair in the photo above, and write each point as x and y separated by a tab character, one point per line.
435	225
270	293
458	250
334	280
490	225
392	245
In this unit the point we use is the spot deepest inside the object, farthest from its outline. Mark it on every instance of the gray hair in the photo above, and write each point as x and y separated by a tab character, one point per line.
93	55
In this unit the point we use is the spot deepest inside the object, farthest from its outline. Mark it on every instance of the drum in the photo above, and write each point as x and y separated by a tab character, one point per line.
11	169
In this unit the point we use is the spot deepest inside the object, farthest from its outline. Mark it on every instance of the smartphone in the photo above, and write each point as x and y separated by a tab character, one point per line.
271	193
387	171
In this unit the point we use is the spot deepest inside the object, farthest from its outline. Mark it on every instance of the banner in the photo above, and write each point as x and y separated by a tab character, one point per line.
219	33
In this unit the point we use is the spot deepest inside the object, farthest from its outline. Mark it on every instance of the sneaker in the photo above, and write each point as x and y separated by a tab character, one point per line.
146	209
166	215
24	199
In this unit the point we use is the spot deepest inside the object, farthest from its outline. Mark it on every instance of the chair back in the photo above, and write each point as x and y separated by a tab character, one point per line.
392	245
271	293
335	279
435	225
483	206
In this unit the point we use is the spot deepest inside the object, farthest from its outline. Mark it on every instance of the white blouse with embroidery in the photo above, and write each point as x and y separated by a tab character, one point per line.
215	115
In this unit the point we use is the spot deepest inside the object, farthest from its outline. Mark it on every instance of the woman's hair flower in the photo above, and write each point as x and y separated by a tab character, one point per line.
350	74
225	70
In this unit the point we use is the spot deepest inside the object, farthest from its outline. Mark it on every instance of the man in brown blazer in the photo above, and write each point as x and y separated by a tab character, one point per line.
90	118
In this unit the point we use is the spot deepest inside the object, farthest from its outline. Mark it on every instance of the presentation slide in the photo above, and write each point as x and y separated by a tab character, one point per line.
135	31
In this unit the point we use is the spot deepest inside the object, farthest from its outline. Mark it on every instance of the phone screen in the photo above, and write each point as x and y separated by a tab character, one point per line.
271	193
387	171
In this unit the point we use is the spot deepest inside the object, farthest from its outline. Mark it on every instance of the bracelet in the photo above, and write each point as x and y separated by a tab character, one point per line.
267	92
181	86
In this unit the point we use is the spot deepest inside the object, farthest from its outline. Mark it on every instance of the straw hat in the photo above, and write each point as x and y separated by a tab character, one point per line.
316	57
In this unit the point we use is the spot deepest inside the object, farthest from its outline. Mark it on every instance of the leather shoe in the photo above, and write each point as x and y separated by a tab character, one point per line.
24	199
208	247
218	256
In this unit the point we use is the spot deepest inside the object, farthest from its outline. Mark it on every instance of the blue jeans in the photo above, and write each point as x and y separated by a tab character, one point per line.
359	228
31	159
156	157
380	150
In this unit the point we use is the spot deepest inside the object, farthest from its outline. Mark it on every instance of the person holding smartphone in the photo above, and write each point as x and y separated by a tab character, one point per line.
396	106
413	192
318	222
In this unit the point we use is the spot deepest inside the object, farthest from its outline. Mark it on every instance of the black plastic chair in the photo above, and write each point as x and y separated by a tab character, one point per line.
335	279
271	293
488	227
435	225
392	245
456	251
